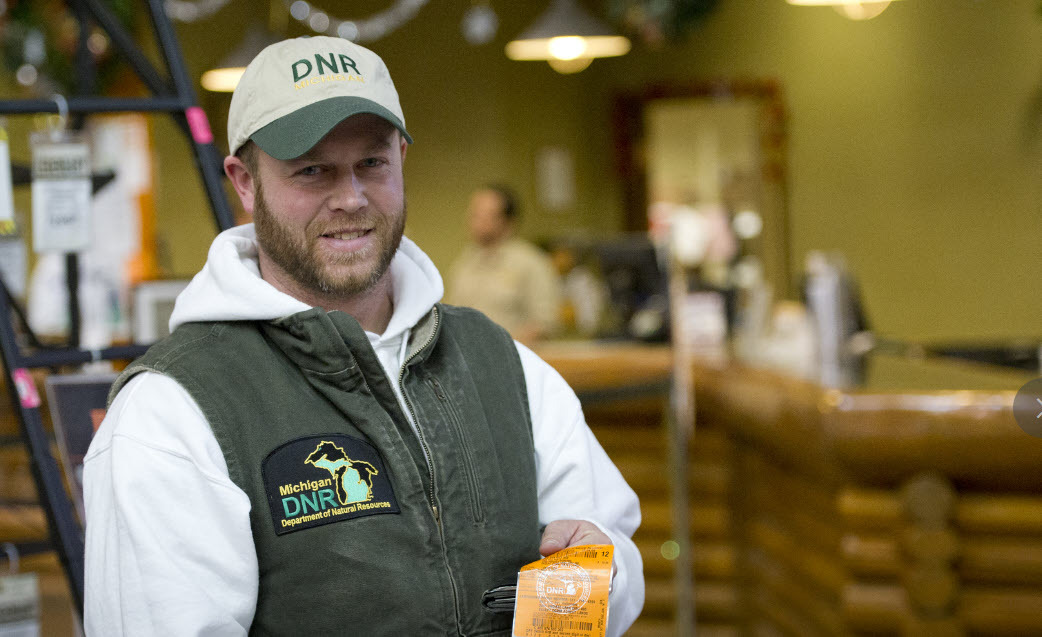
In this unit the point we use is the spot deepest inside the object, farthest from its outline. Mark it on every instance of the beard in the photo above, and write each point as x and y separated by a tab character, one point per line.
298	254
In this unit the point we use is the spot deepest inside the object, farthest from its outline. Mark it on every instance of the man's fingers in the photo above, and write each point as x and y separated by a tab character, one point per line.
561	534
557	535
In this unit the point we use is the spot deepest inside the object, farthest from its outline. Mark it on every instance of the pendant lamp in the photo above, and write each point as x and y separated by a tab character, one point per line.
853	9
567	37
224	77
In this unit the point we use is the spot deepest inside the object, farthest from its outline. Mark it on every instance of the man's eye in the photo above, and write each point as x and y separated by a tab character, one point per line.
308	171
372	162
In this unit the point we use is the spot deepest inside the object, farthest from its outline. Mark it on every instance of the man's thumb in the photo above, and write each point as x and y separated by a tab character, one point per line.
555	537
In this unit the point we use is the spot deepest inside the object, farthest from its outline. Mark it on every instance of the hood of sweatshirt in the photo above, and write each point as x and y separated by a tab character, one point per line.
230	288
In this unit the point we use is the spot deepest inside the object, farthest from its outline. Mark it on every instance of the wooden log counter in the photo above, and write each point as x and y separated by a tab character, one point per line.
910	504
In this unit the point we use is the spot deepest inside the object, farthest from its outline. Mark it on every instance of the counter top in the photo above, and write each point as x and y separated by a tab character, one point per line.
911	413
596	364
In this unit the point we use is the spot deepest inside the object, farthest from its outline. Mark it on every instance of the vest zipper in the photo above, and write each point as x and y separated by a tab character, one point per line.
430	462
415	420
468	459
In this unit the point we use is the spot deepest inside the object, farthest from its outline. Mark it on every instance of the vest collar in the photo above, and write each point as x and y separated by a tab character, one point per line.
423	335
315	341
333	343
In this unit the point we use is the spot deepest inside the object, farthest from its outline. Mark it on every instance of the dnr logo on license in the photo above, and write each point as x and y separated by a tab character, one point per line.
325	479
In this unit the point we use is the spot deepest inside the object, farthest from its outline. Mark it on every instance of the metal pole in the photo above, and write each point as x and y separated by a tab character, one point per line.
30	335
83	104
211	165
681	429
54	358
72	288
61	521
85	85
125	43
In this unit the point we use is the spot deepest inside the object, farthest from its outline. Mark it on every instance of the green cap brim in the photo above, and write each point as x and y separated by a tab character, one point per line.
290	136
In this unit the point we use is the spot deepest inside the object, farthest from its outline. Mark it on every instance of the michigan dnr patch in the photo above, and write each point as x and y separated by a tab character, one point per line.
325	479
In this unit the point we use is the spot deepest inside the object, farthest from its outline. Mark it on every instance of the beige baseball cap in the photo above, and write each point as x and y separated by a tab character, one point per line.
296	91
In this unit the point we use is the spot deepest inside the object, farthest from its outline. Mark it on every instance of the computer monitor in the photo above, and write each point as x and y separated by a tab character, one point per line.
153	305
635	280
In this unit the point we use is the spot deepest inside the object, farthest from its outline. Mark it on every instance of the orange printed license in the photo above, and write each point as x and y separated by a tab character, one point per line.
565	594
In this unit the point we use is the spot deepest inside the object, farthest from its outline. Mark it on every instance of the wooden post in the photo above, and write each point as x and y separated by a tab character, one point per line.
930	546
680	432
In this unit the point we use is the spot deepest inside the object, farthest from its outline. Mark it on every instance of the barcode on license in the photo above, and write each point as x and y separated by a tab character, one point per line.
589	554
560	624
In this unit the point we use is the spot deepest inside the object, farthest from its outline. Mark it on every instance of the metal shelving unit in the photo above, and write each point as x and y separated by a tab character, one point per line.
171	92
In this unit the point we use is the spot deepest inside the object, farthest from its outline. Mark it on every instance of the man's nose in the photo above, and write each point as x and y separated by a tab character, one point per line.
349	194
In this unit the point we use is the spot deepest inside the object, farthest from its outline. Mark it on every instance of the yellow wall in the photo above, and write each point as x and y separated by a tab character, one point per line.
915	141
914	148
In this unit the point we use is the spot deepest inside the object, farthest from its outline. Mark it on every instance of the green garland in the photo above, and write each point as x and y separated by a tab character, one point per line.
654	21
45	35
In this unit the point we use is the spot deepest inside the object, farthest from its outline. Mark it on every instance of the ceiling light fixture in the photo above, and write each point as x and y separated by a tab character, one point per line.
225	76
568	38
853	9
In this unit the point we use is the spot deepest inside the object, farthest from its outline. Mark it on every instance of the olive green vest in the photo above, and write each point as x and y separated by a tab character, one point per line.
361	527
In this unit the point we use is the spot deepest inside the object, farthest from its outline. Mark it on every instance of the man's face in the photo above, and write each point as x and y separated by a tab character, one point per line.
329	222
485	215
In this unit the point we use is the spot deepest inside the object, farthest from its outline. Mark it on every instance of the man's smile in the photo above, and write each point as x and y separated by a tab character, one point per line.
346	235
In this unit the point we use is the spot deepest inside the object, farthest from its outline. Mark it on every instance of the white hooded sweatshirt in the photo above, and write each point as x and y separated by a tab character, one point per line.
169	545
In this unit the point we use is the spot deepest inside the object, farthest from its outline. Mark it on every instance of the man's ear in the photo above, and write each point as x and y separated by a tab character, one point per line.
405	145
242	180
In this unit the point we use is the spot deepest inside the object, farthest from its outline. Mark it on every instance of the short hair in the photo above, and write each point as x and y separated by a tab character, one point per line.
509	198
247	153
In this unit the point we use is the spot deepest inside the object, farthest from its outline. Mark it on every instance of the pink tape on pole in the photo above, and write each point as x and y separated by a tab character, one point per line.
199	125
27	394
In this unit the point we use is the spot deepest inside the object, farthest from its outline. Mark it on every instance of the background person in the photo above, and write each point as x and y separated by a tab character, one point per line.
511	281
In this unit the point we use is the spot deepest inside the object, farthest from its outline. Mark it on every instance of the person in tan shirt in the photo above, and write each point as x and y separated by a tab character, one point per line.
510	280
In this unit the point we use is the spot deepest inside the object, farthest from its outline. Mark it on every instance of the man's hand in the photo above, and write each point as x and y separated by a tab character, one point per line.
560	534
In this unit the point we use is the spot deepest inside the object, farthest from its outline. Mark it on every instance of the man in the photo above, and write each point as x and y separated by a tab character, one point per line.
320	447
510	280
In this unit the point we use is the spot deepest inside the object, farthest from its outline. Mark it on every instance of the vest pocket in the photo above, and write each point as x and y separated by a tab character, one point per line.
468	459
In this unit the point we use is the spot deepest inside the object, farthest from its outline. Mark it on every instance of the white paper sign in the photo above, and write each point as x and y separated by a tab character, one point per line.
61	194
555	178
19	606
7	225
